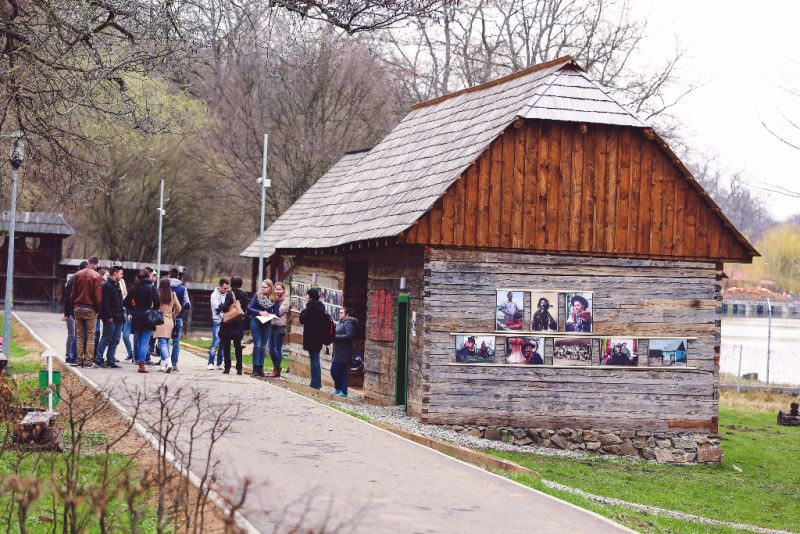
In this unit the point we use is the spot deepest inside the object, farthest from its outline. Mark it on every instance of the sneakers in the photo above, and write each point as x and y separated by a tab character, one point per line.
93	366
129	358
211	367
113	366
168	367
341	394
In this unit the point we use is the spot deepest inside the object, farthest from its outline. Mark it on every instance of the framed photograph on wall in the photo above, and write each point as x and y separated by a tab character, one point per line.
667	352
619	351
509	310
544	305
578	312
572	351
475	349
525	350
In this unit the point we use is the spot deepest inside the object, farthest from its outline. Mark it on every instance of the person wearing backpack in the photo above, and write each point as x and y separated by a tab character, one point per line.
142	298
342	350
182	293
317	331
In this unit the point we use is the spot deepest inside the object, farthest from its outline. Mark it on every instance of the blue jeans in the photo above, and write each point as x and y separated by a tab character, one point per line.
339	373
276	346
176	341
316	370
214	349
97	340
261	338
163	349
126	338
72	350
112	331
141	340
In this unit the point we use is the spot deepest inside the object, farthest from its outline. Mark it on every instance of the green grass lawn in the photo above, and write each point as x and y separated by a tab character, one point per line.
765	493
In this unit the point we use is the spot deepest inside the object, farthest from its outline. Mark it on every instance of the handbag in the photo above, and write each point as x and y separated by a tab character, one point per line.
234	312
154	317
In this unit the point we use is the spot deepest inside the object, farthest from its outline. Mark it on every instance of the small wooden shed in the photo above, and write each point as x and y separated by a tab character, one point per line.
547	239
37	253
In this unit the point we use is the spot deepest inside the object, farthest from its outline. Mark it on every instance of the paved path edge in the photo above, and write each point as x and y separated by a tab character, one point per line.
241	521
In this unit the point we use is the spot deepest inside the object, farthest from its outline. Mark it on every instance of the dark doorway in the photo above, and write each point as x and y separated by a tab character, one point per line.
356	274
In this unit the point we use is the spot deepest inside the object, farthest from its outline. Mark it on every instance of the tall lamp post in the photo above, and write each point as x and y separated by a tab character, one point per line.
16	157
161	212
265	183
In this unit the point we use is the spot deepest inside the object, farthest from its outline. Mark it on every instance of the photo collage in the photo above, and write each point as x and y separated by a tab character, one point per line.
545	320
333	299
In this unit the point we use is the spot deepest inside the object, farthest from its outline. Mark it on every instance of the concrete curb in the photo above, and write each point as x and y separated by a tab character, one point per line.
241	521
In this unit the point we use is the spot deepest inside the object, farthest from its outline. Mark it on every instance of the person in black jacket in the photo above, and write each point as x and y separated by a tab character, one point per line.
142	297
315	323
342	351
233	330
71	354
112	314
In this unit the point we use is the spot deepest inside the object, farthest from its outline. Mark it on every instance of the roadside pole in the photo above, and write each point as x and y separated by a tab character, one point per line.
16	158
769	334
264	181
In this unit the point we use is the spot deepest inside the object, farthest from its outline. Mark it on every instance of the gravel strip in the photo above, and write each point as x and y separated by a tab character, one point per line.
660	511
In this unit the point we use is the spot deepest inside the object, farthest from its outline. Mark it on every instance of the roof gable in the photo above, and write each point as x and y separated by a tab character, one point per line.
37	223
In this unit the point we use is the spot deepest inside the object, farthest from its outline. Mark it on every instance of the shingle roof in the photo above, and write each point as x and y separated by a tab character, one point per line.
37	223
305	205
401	178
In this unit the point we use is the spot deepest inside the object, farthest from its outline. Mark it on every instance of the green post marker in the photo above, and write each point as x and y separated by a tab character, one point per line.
401	377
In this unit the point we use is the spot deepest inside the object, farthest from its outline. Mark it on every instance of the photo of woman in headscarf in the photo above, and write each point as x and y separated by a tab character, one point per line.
579	314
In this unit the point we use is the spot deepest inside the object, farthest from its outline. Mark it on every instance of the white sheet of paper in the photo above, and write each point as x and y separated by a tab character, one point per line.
265	318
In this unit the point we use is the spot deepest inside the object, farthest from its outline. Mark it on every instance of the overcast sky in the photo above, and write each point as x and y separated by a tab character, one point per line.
742	51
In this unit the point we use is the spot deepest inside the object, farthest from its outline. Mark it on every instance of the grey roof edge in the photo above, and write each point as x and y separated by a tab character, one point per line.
38	222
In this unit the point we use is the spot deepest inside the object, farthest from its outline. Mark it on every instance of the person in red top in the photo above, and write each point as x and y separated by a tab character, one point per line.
87	297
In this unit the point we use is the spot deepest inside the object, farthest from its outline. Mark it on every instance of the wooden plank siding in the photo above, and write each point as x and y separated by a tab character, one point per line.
545	186
632	299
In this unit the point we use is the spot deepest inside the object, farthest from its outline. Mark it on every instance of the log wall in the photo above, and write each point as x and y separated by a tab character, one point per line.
632	298
552	187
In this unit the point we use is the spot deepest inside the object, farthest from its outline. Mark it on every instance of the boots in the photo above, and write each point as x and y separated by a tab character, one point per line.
276	372
142	368
258	370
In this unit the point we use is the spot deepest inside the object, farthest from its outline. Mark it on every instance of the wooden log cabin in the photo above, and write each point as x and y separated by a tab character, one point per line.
537	186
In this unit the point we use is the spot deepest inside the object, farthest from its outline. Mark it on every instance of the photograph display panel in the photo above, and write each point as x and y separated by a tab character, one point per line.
544	308
525	350
578	312
572	351
333	299
667	352
475	349
619	351
509	310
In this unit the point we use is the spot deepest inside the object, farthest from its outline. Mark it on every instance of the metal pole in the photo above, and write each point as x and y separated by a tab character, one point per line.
50	382
263	210
739	372
769	335
160	228
7	304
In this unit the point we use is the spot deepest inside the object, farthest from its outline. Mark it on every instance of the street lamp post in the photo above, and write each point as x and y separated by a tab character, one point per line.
161	212
265	183
16	157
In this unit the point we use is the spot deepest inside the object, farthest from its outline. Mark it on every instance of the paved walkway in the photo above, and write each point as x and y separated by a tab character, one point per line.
314	465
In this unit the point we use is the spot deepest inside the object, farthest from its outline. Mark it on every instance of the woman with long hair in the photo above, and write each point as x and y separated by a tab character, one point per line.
281	311
261	305
233	329
141	298
170	308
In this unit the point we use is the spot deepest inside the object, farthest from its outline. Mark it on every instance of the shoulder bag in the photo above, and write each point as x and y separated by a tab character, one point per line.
234	311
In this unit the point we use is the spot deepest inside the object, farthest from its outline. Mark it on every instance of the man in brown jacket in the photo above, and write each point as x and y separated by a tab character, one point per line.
87	297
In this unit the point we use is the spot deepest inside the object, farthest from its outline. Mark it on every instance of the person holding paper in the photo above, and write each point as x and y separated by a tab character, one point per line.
260	312
281	311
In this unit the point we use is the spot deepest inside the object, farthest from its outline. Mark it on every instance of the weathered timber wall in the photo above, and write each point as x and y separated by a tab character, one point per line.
632	298
547	187
330	273
385	270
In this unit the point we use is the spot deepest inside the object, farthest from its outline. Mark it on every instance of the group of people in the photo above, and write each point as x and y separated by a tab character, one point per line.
100	311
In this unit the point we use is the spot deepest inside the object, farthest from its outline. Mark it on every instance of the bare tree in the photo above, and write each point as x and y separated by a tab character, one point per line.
485	39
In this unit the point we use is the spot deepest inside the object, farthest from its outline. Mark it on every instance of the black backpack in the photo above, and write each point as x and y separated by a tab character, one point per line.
331	330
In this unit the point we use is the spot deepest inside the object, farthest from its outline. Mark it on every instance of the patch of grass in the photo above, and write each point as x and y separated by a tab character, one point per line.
763	494
202	343
90	439
41	466
352	413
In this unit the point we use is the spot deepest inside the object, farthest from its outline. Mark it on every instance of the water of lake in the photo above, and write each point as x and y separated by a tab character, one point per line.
751	335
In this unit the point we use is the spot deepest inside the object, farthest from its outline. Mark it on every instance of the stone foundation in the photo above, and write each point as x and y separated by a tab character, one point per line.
674	448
